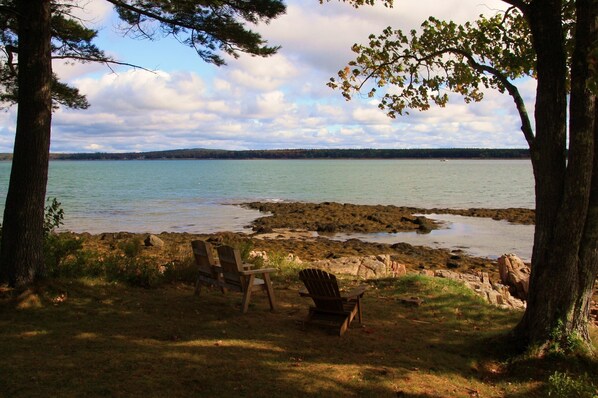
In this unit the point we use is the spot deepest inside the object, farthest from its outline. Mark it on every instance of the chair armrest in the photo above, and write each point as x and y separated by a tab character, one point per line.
357	292
258	271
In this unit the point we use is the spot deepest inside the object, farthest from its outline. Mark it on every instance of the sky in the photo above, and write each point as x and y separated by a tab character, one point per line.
279	102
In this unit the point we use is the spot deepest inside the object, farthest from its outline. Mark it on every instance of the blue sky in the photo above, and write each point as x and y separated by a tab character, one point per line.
265	103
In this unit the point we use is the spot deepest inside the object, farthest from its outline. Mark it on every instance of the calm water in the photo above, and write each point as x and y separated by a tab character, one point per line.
199	195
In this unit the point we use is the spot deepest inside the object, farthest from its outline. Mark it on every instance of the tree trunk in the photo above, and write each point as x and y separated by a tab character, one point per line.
562	277
21	255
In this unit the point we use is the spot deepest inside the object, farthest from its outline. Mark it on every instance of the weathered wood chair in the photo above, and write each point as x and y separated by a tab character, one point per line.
241	278
208	271
331	307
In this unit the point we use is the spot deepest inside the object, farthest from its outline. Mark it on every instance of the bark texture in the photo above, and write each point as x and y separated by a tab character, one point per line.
21	255
564	255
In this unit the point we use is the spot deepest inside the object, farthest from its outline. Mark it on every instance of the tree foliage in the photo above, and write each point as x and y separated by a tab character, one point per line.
70	40
208	27
556	43
204	26
418	69
423	66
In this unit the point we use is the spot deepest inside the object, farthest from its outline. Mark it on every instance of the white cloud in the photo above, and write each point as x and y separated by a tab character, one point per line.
276	102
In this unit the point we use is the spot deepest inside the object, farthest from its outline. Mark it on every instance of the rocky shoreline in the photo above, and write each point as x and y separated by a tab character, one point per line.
291	229
344	217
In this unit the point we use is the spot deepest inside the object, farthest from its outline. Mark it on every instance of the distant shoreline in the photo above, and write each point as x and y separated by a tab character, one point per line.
306	154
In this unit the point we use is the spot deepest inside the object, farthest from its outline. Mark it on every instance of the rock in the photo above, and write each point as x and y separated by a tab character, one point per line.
326	228
411	301
494	297
485	278
259	254
153	240
107	237
515	274
294	259
366	267
397	269
425	225
494	293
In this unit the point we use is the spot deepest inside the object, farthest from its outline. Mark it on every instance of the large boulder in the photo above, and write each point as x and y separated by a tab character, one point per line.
515	274
494	293
153	240
367	267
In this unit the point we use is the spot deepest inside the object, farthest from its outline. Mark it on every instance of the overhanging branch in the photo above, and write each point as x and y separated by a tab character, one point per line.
520	4
102	61
526	126
157	17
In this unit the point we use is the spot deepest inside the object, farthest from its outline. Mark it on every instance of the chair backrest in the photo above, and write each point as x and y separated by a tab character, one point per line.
204	258
323	289
231	264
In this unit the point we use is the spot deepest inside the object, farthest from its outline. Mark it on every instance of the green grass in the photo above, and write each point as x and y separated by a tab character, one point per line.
87	337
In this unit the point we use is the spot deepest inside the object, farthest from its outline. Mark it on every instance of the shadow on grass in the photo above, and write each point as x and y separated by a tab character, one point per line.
109	340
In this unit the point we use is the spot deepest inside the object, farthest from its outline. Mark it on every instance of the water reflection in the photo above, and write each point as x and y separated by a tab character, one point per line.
480	237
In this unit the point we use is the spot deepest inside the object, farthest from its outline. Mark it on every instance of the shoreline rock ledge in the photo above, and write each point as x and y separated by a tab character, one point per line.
366	267
493	292
381	266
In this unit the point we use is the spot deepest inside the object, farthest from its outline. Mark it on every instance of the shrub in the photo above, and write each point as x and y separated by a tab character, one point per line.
131	248
59	247
181	271
133	271
53	216
563	342
561	385
287	268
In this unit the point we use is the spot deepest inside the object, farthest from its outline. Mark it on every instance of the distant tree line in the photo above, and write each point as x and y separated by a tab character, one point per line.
448	153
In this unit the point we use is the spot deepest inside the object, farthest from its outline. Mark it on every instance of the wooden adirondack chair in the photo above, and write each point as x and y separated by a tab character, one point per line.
240	277
208	273
331	307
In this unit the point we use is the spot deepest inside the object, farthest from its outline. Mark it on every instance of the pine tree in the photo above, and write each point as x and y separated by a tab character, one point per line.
32	33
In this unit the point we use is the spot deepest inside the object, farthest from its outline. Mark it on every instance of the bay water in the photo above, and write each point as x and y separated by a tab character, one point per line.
202	196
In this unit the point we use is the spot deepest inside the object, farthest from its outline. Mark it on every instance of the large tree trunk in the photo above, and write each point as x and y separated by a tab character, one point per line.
21	255
562	277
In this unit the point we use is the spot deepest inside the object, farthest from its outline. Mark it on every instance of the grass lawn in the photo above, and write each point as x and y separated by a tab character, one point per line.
87	338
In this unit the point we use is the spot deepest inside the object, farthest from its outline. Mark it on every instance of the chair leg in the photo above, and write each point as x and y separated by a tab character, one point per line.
344	326
247	293
270	292
197	287
359	309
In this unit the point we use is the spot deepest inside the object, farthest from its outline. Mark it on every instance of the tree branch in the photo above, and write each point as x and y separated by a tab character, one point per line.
10	51
526	126
520	4
102	61
9	10
152	15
